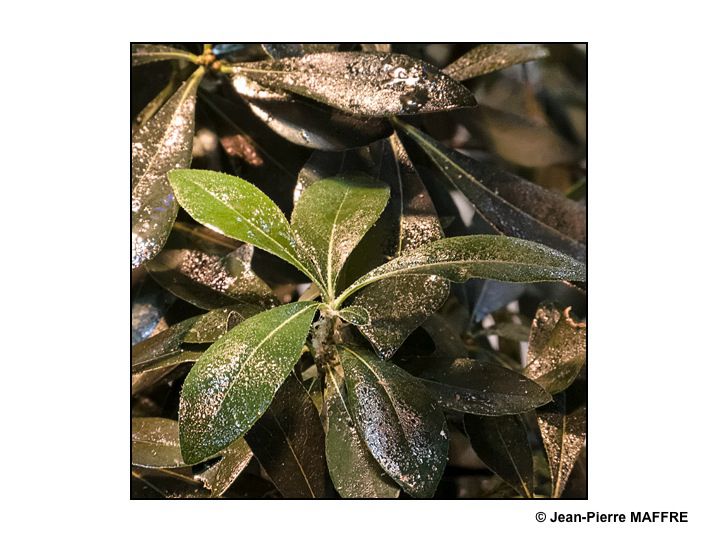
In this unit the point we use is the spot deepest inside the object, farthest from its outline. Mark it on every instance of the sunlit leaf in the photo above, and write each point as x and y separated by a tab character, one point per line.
563	427
353	470
233	383
235	208
164	143
155	443
367	83
502	443
512	205
288	441
478	386
398	419
220	476
491	57
144	54
331	218
480	256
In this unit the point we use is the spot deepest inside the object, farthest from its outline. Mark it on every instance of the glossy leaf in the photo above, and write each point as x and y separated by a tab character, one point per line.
356	315
144	54
220	476
331	218
354	471
556	350
399	305
206	276
235	208
233	383
401	424
162	144
478	386
448	343
480	256
512	205
502	443
563	427
367	83
491	57
286	50
288	441
155	443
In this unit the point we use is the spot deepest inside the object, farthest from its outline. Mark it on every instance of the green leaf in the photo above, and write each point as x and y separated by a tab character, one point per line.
363	83
354	471
206	274
510	204
233	383
289	441
445	336
478	386
220	476
487	58
330	219
397	306
286	50
563	427
556	350
155	443
502	443
460	258
236	208
144	54
162	144
356	315
398	419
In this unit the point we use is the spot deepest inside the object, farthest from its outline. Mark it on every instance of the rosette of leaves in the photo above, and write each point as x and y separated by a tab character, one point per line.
312	390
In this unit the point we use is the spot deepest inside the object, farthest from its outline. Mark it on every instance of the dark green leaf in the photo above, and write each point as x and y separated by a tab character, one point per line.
563	427
368	83
354	471
481	256
556	351
330	219
356	315
492	57
397	306
478	386
512	205
288	441
502	443
220	476
235	208
144	54
445	336
155	443
164	143
399	421
233	383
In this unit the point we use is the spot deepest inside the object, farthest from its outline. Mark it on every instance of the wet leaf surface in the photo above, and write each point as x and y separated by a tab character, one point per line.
235	208
563	427
502	443
162	144
233	383
353	470
288	441
368	84
477	386
330	219
557	349
399	305
512	205
205	274
220	476
487	58
401	424
144	54
156	443
480	256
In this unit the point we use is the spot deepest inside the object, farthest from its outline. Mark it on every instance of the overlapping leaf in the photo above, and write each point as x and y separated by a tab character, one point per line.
401	424
491	57
162	144
155	443
220	476
144	54
233	383
363	83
